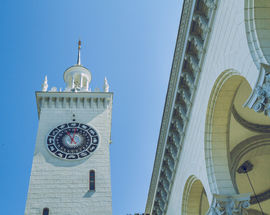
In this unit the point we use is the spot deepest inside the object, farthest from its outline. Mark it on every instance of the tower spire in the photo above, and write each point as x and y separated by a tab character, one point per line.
77	77
79	53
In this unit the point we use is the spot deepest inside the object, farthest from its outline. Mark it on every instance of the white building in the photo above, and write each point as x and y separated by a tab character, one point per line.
71	165
215	127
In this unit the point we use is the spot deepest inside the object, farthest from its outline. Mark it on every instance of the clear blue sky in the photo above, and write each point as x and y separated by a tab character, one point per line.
129	42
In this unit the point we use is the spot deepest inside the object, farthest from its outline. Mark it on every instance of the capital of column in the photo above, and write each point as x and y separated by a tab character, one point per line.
229	205
259	100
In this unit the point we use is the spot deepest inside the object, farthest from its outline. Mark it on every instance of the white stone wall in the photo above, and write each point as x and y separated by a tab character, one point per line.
227	49
63	185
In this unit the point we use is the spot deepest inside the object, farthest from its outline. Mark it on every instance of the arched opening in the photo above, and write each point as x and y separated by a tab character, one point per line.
194	201
237	137
45	211
250	150
217	132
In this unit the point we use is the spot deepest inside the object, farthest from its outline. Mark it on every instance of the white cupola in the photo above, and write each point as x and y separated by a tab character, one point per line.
77	77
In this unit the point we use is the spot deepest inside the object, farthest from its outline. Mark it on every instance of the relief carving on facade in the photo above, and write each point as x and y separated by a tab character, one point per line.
229	205
259	99
188	69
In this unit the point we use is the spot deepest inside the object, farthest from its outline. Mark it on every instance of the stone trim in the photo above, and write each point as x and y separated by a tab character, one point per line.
249	125
258	37
193	34
256	22
223	92
259	100
193	187
190	181
69	100
261	197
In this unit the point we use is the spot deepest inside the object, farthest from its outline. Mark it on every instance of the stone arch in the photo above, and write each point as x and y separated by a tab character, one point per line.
257	22
255	143
217	152
194	201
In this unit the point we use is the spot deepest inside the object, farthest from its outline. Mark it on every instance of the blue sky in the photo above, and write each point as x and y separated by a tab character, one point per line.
129	42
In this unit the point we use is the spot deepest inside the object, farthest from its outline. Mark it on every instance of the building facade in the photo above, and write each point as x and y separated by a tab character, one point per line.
71	165
213	151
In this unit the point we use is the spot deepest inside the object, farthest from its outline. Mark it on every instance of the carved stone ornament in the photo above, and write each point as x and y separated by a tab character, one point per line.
259	99
231	205
106	85
45	85
194	31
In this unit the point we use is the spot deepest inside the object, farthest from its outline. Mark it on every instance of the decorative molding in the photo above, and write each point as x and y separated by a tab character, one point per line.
258	43
259	99
187	189
249	125
193	33
69	100
260	197
231	205
226	80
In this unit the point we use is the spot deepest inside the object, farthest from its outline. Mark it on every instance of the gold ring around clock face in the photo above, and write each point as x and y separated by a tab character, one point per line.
72	141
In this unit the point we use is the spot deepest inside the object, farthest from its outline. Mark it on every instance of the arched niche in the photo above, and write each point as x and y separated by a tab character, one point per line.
195	201
217	147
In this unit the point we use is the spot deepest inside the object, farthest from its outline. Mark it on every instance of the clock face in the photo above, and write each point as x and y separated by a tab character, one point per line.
72	141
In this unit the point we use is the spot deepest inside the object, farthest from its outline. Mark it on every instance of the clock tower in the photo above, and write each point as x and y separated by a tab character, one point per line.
71	165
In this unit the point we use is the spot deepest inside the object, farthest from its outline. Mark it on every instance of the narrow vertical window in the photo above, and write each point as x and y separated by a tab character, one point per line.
92	180
45	211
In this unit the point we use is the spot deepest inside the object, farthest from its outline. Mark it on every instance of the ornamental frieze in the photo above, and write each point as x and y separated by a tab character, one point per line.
186	67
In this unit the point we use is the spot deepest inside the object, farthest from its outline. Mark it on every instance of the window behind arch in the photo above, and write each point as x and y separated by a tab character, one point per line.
45	211
92	180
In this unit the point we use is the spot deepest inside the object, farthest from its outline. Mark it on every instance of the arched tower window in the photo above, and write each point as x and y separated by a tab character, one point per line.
45	211
92	186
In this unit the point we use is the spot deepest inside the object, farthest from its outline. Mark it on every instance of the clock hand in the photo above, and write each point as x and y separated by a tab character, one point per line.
70	137
74	135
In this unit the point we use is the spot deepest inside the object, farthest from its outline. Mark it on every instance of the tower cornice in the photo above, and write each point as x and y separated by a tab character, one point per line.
71	100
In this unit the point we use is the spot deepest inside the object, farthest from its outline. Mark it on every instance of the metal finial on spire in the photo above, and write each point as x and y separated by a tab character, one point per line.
79	53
